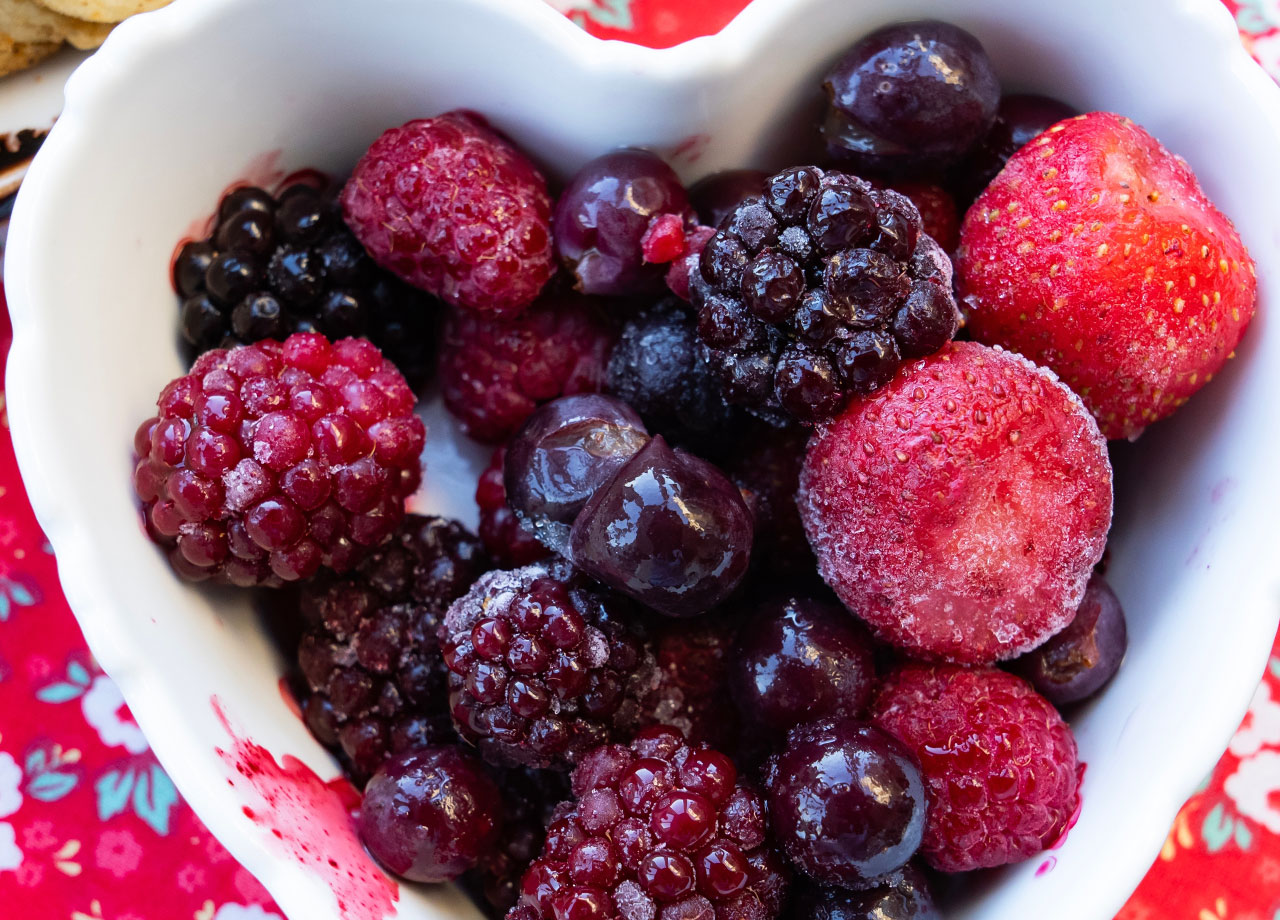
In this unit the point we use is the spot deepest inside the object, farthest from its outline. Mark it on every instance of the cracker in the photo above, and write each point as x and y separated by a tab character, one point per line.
15	56
102	10
27	21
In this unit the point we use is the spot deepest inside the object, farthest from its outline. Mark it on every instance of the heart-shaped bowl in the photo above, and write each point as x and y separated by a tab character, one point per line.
182	101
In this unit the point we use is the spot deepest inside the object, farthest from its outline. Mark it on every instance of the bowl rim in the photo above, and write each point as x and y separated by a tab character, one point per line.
78	568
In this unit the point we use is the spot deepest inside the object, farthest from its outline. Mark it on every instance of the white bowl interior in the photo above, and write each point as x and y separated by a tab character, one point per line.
183	101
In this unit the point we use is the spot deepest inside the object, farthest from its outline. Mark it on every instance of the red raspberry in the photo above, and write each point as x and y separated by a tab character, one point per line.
454	208
659	829
544	665
269	460
495	372
999	763
960	509
937	210
510	545
1096	253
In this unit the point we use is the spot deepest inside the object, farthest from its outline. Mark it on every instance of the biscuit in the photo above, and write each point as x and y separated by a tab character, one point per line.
26	21
102	10
16	56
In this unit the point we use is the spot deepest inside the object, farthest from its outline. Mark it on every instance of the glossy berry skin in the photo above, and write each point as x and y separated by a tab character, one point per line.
799	658
453	208
668	529
716	195
960	510
815	290
846	802
604	212
998	761
543	665
1116	272
1020	118
563	454
908	97
271	460
369	651
510	545
304	272
657	369
907	898
657	828
1077	662
430	814
495	371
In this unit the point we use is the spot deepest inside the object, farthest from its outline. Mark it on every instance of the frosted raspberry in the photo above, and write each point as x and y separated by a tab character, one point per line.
370	654
544	665
495	372
960	509
510	545
270	460
454	208
660	830
999	763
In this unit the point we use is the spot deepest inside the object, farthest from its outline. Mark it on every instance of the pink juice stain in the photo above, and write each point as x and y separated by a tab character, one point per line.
1047	866
311	821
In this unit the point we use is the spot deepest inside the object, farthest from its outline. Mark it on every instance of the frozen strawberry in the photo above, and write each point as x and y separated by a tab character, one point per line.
960	509
937	210
1096	253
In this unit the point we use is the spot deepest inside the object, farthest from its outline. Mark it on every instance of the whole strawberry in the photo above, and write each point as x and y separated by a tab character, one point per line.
1096	253
454	208
960	509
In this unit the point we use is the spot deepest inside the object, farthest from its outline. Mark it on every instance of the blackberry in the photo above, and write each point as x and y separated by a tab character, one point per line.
658	370
370	654
816	291
275	265
544	665
659	829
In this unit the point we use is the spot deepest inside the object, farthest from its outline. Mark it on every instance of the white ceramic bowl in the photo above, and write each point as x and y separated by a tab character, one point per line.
182	101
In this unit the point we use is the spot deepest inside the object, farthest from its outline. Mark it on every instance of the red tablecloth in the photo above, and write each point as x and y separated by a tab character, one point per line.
91	828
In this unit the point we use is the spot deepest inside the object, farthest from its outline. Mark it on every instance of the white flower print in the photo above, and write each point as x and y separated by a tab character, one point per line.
10	855
1255	789
1263	728
104	709
10	785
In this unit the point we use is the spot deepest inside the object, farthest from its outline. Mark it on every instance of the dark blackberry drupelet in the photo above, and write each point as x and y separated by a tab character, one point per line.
817	291
370	654
544	664
657	368
659	829
275	265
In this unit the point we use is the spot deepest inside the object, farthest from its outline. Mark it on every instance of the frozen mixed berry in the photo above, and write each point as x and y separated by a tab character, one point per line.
960	510
529	799
274	265
453	208
847	802
816	290
268	461
658	829
543	665
669	529
909	97
765	466
494	372
1020	117
906	898
369	652
998	762
1078	662
510	545
603	215
1097	254
798	658
715	196
938	214
657	369
692	689
564	453
430	814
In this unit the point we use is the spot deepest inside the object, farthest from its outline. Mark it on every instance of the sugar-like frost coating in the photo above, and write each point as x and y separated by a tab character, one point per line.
960	509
